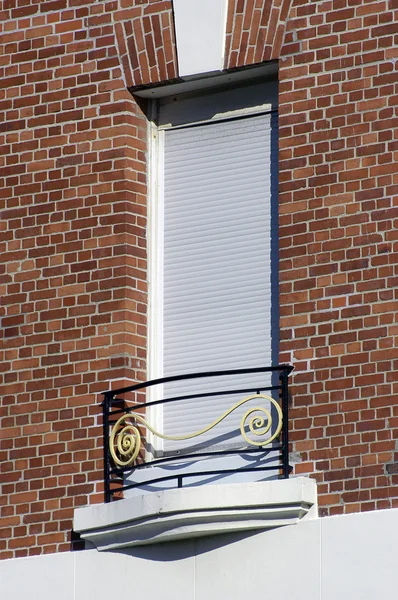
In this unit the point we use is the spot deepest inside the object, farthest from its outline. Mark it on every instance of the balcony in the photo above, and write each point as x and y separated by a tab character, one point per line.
221	474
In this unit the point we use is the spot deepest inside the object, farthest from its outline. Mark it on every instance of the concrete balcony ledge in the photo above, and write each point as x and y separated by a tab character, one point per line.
197	511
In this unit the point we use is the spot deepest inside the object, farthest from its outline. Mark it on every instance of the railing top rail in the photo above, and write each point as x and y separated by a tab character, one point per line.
184	377
134	406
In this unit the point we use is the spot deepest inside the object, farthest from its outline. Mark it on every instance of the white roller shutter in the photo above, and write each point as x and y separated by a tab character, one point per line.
219	183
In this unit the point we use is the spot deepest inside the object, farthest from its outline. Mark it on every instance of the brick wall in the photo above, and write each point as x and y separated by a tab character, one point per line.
339	245
73	279
73	239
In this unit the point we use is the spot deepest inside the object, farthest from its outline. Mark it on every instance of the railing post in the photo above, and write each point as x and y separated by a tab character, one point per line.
284	378
105	420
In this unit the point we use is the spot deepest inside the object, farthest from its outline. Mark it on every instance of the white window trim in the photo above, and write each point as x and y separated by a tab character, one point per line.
155	235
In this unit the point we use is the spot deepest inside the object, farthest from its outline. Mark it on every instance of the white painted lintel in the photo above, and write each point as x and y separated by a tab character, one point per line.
200	35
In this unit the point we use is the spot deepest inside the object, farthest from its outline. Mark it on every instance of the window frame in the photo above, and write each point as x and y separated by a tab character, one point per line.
156	138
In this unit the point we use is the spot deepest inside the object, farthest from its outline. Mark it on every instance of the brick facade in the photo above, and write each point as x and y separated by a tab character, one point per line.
338	245
73	244
73	239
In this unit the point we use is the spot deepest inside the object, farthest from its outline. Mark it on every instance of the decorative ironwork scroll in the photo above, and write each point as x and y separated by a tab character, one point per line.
125	442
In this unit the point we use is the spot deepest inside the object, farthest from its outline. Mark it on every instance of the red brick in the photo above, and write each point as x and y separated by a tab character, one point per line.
74	153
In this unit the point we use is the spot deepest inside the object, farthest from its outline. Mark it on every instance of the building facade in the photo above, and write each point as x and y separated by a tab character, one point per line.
82	83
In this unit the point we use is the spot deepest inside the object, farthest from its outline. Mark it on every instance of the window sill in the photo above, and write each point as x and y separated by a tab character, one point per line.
196	511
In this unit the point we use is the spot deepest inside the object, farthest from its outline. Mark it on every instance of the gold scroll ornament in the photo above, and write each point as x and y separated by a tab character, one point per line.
125	439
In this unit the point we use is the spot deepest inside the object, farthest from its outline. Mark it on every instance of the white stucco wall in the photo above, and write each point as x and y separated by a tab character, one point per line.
345	557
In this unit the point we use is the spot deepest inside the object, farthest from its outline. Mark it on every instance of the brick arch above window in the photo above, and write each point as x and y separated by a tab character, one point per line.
255	31
149	53
146	42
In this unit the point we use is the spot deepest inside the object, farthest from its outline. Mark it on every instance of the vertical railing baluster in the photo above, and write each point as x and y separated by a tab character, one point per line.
284	379
106	404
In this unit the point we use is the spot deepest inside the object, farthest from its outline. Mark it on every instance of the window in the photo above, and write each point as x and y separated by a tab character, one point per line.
213	280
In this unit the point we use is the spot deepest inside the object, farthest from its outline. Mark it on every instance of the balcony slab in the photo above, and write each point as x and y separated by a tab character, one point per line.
190	512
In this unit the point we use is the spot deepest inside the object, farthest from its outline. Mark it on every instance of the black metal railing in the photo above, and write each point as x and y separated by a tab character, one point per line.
125	428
